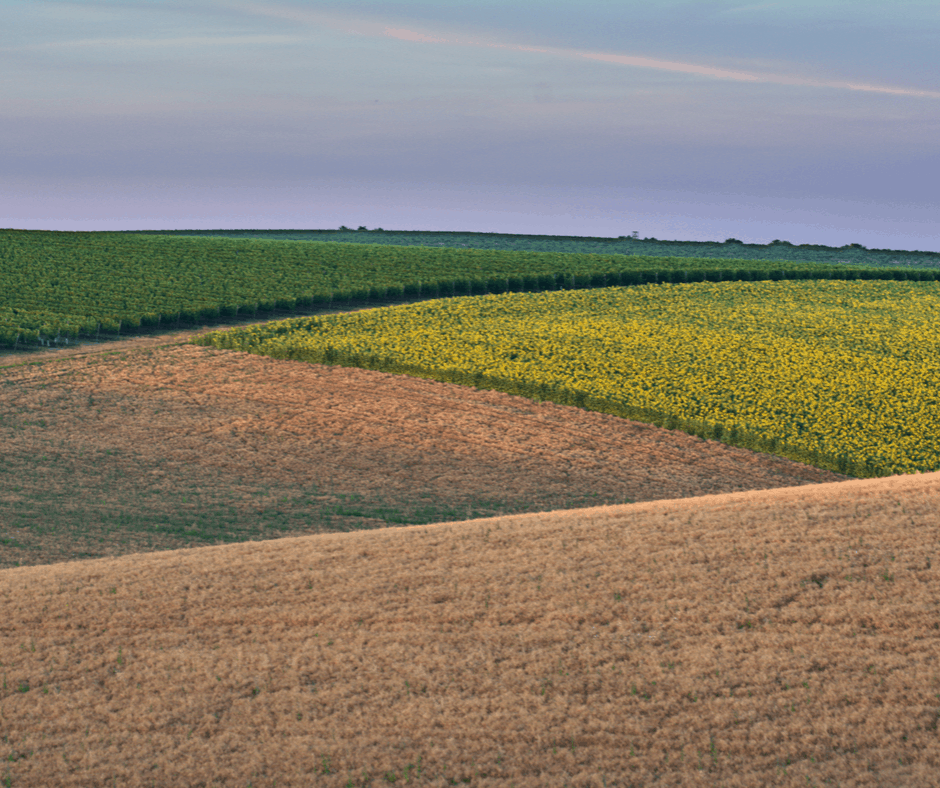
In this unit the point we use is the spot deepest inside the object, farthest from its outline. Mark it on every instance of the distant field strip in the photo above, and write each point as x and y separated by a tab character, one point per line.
843	375
56	287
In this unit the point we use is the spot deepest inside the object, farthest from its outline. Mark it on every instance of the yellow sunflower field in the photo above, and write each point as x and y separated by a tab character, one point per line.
840	374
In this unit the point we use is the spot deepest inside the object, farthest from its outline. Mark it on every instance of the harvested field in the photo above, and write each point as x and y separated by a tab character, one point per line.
784	637
153	444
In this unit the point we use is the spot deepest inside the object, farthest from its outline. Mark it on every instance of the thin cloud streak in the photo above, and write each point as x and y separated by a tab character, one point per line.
666	65
689	68
367	27
663	65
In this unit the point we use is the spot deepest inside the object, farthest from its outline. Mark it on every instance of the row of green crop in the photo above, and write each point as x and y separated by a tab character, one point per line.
23	326
58	286
629	245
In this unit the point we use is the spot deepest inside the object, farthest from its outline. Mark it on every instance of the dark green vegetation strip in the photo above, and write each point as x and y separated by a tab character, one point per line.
58	287
731	248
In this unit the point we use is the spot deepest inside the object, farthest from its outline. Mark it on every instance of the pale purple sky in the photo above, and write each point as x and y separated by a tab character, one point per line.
811	121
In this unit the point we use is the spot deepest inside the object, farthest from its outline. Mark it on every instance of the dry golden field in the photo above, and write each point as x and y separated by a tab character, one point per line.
142	447
747	621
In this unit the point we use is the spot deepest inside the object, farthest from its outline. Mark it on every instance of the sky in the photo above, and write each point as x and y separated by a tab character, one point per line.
809	121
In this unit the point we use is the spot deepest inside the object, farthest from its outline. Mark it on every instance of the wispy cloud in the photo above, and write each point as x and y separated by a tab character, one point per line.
364	26
717	73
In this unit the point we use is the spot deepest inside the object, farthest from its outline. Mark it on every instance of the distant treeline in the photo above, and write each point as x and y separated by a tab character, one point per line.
854	254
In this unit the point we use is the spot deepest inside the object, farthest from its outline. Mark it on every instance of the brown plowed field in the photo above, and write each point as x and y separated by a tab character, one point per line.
144	445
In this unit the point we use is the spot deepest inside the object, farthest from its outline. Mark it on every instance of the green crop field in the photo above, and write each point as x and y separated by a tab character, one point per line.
59	287
839	374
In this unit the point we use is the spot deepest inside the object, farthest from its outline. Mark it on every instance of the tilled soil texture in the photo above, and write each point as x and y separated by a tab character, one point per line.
771	638
146	448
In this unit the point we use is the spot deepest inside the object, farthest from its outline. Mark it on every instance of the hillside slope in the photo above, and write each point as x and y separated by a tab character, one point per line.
776	637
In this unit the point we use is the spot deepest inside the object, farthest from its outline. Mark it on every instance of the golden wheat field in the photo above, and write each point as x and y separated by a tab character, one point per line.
784	637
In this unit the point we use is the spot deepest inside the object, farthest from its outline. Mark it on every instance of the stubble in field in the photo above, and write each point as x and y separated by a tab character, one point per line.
145	449
784	637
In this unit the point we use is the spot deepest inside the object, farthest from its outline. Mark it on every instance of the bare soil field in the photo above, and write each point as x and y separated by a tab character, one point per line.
153	443
782	637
